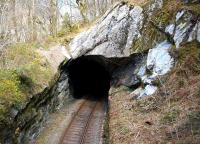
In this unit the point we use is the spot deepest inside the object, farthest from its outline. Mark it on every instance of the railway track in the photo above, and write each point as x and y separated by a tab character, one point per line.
86	126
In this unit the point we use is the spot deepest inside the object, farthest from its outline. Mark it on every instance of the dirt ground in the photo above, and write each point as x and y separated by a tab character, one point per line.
170	116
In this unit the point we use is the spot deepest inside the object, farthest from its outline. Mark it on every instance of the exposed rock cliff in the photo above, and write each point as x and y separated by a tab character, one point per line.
114	34
126	29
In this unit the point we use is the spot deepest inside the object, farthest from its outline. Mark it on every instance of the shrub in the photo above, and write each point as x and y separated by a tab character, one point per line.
10	92
68	30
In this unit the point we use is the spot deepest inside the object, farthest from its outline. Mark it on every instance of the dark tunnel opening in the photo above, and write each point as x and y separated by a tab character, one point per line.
88	78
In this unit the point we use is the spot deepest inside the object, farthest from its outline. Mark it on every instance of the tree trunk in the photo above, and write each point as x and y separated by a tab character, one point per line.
53	17
34	28
14	20
32	21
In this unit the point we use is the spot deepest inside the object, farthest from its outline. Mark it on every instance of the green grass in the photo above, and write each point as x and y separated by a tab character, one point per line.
10	92
31	68
10	87
23	73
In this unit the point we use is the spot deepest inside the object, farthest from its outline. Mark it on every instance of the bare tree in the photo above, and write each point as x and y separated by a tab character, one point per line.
32	20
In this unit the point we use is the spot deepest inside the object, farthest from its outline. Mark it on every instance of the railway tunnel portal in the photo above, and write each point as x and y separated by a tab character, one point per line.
91	76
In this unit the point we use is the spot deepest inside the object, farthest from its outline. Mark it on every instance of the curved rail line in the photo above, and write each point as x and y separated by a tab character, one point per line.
86	126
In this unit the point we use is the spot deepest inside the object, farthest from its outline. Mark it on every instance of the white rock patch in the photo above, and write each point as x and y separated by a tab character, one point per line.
148	90
170	29
159	59
193	33
180	33
179	15
159	62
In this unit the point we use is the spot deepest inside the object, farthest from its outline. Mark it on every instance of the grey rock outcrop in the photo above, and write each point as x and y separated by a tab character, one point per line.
125	29
115	33
185	28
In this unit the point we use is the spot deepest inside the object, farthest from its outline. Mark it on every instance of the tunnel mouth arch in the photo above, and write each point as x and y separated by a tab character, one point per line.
88	77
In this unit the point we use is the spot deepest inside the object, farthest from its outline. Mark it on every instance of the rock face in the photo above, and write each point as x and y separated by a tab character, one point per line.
185	28
114	33
126	29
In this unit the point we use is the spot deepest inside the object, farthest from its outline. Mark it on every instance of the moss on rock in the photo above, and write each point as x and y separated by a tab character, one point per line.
149	38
